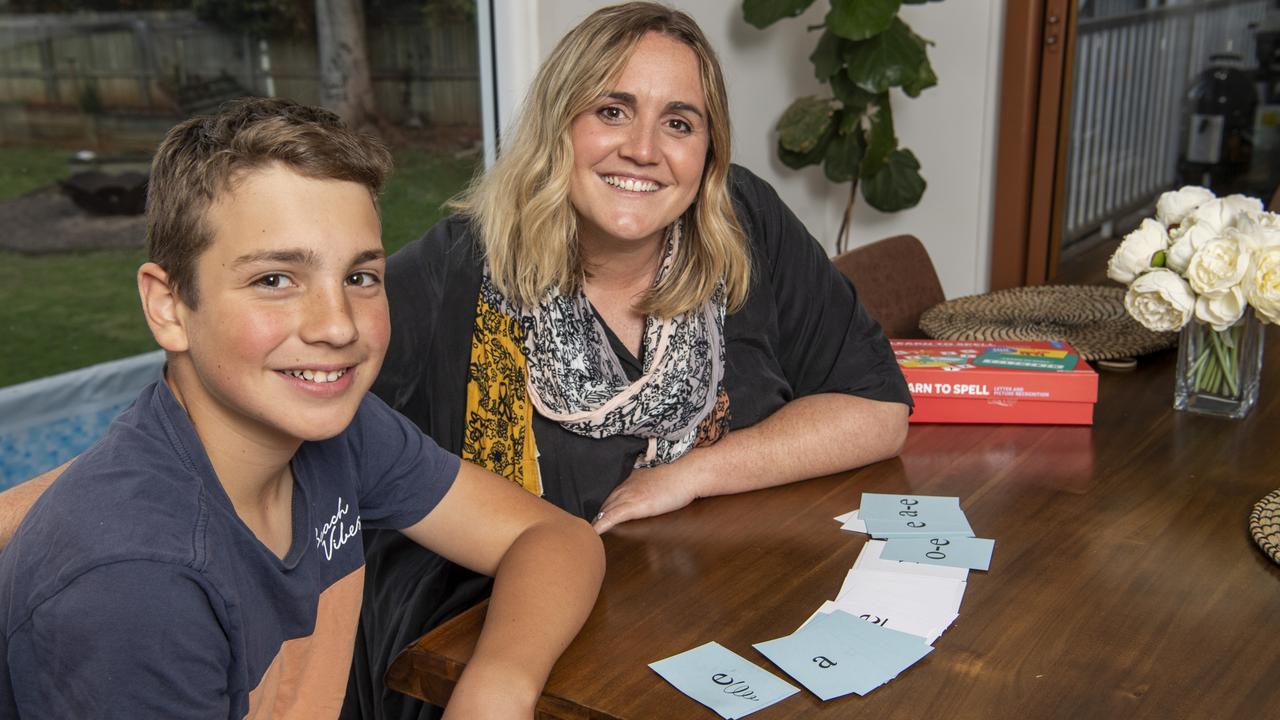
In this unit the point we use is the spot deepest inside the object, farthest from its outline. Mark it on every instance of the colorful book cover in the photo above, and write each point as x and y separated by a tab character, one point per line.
997	382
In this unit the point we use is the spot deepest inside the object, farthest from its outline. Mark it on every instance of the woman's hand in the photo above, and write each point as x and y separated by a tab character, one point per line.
808	437
648	492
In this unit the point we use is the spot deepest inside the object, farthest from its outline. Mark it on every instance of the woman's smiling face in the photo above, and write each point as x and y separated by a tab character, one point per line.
640	150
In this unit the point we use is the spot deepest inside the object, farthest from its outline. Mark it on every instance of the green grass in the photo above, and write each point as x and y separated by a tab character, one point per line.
66	311
415	195
23	169
61	312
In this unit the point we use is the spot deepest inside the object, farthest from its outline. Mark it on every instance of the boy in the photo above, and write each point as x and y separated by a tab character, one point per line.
204	559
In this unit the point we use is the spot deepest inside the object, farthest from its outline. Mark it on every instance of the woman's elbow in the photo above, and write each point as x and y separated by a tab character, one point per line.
895	429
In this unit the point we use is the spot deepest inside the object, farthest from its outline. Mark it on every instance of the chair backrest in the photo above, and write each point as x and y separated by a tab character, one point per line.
896	282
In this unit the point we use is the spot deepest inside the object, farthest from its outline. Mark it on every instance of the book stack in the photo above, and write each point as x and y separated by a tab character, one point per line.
958	381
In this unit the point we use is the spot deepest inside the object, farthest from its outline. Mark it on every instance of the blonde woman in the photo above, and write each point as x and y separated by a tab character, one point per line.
619	320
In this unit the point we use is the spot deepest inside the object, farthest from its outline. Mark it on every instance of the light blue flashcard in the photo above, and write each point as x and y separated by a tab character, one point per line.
892	516
966	552
891	650
722	680
887	529
882	505
824	663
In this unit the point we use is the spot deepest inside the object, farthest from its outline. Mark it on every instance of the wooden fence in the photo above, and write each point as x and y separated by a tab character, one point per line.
139	64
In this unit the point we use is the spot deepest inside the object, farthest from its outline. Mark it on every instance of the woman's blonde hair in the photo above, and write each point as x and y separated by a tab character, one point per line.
521	208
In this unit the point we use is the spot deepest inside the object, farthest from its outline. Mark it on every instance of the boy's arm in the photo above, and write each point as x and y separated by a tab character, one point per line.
547	567
17	500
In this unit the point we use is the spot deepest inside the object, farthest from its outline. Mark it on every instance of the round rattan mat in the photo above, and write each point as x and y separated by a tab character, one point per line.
1090	317
1264	525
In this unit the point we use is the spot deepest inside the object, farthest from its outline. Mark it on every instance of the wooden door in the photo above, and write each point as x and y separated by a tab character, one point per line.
1031	140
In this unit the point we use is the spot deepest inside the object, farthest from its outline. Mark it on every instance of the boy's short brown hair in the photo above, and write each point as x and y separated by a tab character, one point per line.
202	157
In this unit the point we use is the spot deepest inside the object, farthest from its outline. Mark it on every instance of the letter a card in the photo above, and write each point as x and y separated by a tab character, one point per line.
723	681
838	654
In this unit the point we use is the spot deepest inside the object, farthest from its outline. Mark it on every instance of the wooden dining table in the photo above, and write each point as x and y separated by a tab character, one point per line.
1124	582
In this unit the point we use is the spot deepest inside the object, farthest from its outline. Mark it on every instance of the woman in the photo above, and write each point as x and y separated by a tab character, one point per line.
619	320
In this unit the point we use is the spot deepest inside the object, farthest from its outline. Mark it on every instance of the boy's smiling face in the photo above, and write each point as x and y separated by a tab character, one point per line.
290	325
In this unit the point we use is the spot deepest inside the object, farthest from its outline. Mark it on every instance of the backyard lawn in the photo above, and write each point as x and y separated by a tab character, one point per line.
65	311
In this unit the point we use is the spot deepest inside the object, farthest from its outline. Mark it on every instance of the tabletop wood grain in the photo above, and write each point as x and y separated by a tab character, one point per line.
1124	583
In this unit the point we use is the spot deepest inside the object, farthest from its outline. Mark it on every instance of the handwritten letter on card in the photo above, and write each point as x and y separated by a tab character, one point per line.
722	680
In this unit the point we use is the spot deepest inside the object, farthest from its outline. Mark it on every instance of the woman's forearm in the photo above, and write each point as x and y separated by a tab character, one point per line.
808	437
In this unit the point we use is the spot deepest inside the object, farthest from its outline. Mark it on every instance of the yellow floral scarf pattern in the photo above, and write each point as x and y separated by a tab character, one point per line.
499	421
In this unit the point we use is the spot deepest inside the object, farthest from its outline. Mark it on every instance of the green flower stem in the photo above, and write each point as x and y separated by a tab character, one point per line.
1226	364
1213	374
1198	367
1207	379
1216	368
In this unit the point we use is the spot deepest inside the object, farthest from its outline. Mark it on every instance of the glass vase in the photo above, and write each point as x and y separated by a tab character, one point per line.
1218	370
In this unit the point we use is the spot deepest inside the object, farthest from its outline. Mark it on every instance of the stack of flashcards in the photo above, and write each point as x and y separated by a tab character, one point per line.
836	654
920	529
913	516
922	600
913	578
903	591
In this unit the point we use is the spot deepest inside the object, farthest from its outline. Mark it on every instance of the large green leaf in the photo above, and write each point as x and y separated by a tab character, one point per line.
897	186
763	13
849	121
827	57
850	95
878	124
804	124
861	19
795	160
925	77
844	155
891	59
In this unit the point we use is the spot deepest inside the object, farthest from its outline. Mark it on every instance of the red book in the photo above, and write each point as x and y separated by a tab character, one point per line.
1021	381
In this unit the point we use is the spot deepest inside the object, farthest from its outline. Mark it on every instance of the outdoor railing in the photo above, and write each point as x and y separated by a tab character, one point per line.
1132	71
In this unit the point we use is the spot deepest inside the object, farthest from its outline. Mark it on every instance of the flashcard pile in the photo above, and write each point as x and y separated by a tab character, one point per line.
903	591
912	575
836	654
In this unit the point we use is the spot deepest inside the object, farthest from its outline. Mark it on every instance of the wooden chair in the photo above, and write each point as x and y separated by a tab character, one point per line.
896	282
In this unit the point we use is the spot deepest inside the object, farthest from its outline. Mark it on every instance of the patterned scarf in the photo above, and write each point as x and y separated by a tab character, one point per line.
556	358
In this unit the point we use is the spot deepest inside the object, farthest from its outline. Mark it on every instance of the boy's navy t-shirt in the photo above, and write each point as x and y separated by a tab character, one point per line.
132	589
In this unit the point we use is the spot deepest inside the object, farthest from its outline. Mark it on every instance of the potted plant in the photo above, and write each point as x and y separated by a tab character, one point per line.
865	50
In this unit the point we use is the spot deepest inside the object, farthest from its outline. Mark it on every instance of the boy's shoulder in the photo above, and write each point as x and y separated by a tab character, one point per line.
134	495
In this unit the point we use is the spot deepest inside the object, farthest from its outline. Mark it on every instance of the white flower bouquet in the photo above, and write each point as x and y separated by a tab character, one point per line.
1199	267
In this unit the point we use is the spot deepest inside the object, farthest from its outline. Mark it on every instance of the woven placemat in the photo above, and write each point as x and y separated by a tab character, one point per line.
1264	525
1090	317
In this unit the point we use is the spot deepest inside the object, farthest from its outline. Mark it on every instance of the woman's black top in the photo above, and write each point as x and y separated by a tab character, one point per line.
800	332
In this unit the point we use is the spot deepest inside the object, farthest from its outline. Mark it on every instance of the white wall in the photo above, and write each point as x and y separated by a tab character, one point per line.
951	127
